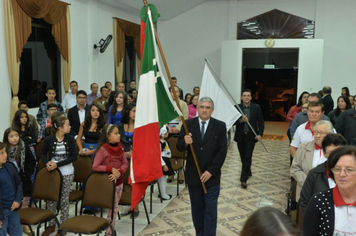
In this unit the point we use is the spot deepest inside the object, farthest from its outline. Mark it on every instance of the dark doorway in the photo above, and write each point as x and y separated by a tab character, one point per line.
40	65
272	76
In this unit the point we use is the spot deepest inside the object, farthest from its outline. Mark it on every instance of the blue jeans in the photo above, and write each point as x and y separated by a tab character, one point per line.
204	209
11	224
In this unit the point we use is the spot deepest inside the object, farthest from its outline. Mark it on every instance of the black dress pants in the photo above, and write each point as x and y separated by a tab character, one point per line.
246	147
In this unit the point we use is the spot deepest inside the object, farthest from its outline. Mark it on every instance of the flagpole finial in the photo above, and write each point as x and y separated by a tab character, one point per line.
145	3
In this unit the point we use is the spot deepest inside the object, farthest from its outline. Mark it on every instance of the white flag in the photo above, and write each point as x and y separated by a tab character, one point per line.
224	110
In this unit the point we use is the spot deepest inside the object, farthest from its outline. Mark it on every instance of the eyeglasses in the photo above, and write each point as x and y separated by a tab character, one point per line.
338	170
317	133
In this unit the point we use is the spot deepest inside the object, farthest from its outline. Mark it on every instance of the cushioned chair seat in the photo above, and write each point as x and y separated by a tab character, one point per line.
84	224
75	195
34	215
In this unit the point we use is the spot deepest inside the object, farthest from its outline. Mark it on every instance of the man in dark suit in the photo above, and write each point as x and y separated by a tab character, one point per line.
244	136
210	145
327	100
76	114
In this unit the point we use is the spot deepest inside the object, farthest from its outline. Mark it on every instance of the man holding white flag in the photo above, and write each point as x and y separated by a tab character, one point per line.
224	110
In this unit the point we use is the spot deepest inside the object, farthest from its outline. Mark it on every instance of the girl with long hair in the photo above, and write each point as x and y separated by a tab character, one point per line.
110	157
90	129
59	151
21	156
21	123
115	110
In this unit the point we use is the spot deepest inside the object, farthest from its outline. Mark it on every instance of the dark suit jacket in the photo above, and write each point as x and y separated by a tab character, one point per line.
328	104
74	120
210	152
256	121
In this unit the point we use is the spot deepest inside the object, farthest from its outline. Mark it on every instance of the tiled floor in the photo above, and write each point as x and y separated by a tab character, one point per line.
267	187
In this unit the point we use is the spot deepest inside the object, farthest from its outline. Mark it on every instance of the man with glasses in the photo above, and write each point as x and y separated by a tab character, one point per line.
44	126
76	114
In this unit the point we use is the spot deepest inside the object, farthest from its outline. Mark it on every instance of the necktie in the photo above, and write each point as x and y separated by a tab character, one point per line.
202	129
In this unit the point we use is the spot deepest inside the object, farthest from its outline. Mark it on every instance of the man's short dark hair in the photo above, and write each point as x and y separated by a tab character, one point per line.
133	81
107	82
81	92
51	105
23	102
316	104
102	87
73	82
326	89
315	95
196	87
92	84
50	88
246	90
333	139
174	78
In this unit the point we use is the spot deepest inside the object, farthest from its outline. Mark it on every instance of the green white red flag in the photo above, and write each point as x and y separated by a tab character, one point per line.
154	108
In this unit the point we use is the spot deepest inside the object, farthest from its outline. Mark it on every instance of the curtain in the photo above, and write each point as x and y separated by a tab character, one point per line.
18	17
67	62
124	28
12	59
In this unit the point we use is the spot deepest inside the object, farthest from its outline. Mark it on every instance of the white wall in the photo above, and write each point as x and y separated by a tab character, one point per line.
191	37
309	62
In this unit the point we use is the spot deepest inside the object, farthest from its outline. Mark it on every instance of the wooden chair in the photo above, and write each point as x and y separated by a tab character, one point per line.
176	166
82	170
47	186
98	192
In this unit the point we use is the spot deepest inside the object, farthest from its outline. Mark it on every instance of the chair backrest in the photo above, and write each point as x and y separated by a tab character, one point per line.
99	191
172	145
40	165
38	149
48	185
82	168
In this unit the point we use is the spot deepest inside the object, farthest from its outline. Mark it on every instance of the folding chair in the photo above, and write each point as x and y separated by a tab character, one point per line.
47	186
98	192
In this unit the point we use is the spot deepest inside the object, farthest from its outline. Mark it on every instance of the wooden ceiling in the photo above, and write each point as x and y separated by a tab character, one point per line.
275	24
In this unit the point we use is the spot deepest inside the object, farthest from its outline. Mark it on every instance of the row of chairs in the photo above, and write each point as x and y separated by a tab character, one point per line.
82	169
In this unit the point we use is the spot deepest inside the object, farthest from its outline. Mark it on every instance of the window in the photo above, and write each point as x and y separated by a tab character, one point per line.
40	65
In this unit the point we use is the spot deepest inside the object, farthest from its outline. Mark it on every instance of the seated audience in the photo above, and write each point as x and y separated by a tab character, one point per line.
268	221
343	104
94	93
331	212
318	179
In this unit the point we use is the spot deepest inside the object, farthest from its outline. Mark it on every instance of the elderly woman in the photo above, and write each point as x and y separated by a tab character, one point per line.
309	154
332	212
318	178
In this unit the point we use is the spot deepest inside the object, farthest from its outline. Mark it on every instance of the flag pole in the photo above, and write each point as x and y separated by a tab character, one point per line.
177	101
231	97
